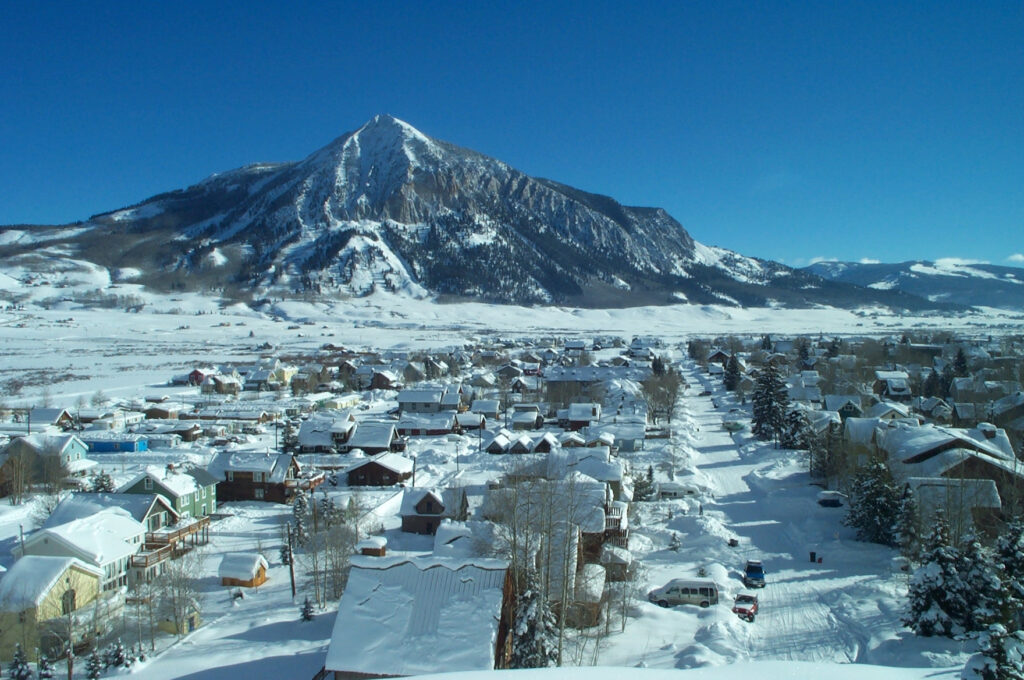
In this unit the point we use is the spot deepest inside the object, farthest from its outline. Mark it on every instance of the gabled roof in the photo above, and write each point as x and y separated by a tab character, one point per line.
27	583
241	566
412	497
100	538
391	461
135	505
402	616
372	435
274	465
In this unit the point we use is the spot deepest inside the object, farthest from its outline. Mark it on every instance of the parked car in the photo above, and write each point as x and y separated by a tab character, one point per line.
831	499
745	606
753	574
705	393
685	591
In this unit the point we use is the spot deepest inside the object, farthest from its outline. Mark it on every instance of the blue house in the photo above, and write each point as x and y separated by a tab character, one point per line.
114	442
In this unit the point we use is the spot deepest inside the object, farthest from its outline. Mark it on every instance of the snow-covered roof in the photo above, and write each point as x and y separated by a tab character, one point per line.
402	616
79	505
241	566
372	435
32	577
274	465
955	498
411	497
420	396
100	538
392	461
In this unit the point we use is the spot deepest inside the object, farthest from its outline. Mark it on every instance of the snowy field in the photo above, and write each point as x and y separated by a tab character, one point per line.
839	616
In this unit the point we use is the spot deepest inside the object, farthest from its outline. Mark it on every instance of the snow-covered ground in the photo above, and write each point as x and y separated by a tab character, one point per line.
816	618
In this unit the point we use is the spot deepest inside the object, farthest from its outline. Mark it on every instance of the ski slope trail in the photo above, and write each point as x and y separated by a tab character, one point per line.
769	508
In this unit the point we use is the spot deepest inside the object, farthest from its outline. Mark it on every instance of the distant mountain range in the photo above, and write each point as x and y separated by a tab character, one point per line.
958	282
387	208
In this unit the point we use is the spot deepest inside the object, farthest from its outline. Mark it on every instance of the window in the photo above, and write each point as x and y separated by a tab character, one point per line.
257	494
67	601
147	484
231	475
257	476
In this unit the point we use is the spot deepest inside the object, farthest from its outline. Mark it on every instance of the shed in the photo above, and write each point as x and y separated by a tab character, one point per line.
247	570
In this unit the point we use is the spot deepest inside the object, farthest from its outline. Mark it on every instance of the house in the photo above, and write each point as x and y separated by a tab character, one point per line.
583	415
422	511
410	616
428	424
384	380
246	570
420	401
50	459
893	385
387	469
488	408
99	441
106	541
373	438
527	417
259	476
192	491
846	405
153	511
40	597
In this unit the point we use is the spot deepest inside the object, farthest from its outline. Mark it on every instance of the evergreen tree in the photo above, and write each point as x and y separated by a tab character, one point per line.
675	543
286	555
19	668
833	348
907	525
45	668
874	505
534	632
1000	656
797	433
960	364
643	485
94	666
300	508
766	343
658	366
936	591
102	482
986	597
946	381
803	348
731	378
931	386
306	612
1009	554
770	402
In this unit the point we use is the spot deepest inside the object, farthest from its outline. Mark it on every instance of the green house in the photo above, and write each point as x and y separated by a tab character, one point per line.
192	491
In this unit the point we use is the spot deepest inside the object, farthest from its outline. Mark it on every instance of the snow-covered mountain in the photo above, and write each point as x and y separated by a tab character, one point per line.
947	280
386	207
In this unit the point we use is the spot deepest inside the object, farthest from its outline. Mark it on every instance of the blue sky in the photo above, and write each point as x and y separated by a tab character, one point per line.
791	131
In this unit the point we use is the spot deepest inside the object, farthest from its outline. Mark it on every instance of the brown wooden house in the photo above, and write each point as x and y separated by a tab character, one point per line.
387	469
422	511
254	476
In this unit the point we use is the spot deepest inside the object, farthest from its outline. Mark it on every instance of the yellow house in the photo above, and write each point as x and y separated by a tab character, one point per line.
42	600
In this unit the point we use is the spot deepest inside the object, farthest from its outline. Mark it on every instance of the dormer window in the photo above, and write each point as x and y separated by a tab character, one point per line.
147	484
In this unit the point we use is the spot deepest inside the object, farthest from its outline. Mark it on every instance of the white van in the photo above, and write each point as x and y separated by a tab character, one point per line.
676	490
701	592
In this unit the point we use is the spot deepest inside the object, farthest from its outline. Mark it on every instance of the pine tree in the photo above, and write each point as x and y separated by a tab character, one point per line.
19	668
874	505
907	526
986	596
797	433
286	555
766	343
102	482
936	591
45	669
306	611
1009	555
117	657
643	485
535	633
1000	656
946	381
960	364
833	348
770	403
931	386
300	509
94	666
731	378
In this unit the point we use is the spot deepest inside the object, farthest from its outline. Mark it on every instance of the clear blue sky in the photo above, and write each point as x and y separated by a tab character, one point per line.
789	130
